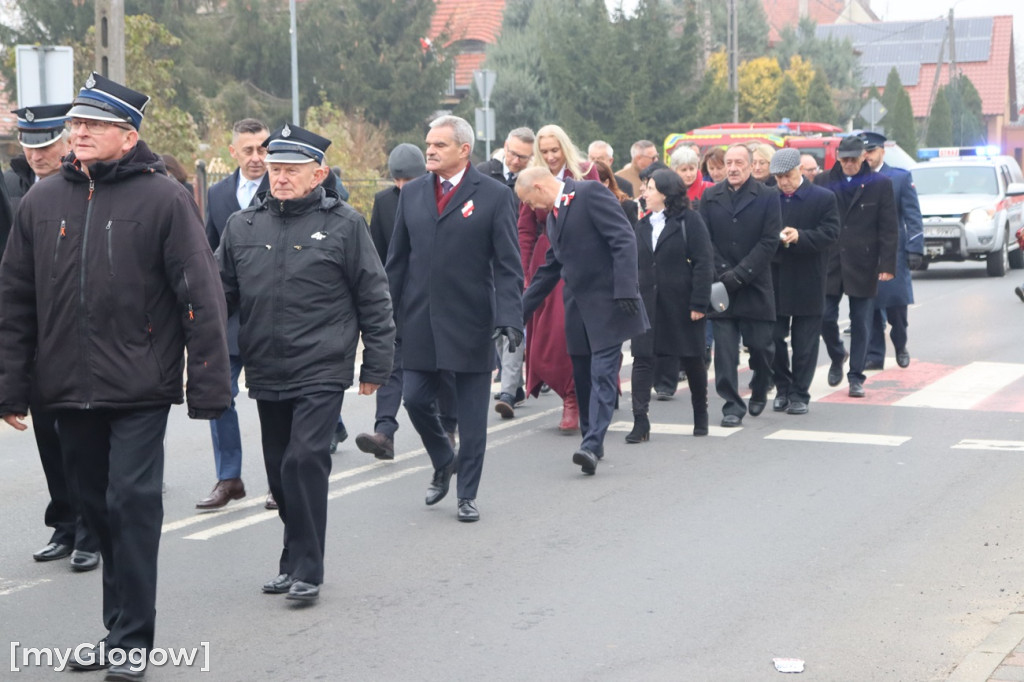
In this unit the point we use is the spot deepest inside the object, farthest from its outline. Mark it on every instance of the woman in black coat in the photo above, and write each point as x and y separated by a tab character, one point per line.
674	261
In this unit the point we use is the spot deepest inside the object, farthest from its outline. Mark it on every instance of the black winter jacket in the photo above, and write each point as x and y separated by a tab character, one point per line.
107	278
306	280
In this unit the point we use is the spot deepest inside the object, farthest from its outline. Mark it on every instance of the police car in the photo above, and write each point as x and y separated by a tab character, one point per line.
972	204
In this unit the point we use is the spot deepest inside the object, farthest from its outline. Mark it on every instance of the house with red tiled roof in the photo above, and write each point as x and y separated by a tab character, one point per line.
788	13
919	51
468	26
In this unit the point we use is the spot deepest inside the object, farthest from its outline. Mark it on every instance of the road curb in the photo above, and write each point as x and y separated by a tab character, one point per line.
980	664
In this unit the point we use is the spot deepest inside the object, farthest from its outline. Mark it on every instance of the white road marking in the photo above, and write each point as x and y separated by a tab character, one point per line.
675	429
11	586
965	387
998	445
837	437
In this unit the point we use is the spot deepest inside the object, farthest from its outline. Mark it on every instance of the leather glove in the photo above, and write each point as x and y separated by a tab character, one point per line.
914	260
514	336
731	281
630	306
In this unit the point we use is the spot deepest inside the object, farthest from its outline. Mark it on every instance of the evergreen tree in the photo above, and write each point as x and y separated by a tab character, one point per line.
820	107
940	122
753	27
789	104
900	123
893	85
969	127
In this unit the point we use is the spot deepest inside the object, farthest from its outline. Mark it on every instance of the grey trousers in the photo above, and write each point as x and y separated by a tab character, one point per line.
511	366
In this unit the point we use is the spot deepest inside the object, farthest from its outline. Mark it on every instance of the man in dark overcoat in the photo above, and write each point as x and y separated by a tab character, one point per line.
593	248
225	197
744	221
895	295
456	282
864	256
799	272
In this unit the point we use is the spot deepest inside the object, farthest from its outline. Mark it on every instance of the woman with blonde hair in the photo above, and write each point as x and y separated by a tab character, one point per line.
760	162
547	356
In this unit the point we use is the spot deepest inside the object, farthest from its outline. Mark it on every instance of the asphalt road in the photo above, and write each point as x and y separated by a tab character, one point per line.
877	539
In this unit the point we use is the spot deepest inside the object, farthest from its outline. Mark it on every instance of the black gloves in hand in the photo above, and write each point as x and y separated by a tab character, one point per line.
630	306
514	336
731	281
914	261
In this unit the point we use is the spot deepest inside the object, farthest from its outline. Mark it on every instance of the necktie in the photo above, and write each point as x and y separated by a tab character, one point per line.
511	178
248	190
445	188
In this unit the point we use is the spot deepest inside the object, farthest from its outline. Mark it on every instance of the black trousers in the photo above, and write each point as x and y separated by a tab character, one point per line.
597	385
472	399
860	326
804	331
757	335
645	369
296	437
116	458
389	399
666	374
63	511
896	316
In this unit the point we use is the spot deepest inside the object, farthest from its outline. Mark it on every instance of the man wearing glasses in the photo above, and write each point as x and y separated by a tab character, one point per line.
106	279
642	154
809	167
864	256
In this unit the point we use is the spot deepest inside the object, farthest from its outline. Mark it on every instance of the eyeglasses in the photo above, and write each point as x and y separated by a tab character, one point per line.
522	158
95	127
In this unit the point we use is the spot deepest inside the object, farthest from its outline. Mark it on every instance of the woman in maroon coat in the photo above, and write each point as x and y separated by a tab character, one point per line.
547	356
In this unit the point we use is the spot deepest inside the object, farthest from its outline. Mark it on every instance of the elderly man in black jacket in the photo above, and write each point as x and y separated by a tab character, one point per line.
864	256
743	218
302	271
811	226
106	280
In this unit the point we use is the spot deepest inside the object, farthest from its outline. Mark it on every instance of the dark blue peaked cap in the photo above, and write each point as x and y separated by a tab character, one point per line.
104	100
41	125
872	139
292	144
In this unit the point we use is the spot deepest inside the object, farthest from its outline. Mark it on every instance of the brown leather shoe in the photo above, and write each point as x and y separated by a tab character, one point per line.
271	503
222	493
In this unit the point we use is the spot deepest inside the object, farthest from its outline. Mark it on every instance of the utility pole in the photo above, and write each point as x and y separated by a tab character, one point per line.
734	61
954	84
295	64
109	18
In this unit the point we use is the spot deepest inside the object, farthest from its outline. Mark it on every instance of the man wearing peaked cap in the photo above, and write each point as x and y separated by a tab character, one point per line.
107	315
304	300
44	140
896	294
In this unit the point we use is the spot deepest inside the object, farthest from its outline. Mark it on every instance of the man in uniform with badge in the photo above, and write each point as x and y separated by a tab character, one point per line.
302	271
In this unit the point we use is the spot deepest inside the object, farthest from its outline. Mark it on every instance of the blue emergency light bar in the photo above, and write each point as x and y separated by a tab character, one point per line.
957	152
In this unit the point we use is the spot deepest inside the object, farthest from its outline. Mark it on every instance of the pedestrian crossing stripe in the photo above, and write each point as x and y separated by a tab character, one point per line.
837	437
675	429
997	445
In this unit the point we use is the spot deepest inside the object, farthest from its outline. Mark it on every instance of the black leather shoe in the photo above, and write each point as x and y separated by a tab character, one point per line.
835	372
468	511
91	659
903	358
1020	292
797	407
439	484
303	591
278	585
340	436
53	551
377	444
222	493
663	394
82	561
520	397
874	364
270	502
731	421
506	406
124	673
780	403
586	460
755	406
856	389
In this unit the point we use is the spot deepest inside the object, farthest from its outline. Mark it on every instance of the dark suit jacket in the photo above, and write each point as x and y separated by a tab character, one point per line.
675	278
221	202
593	248
900	290
868	234
456	276
382	220
6	215
744	235
800	270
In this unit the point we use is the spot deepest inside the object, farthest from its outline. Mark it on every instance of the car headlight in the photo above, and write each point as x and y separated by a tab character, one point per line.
979	215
